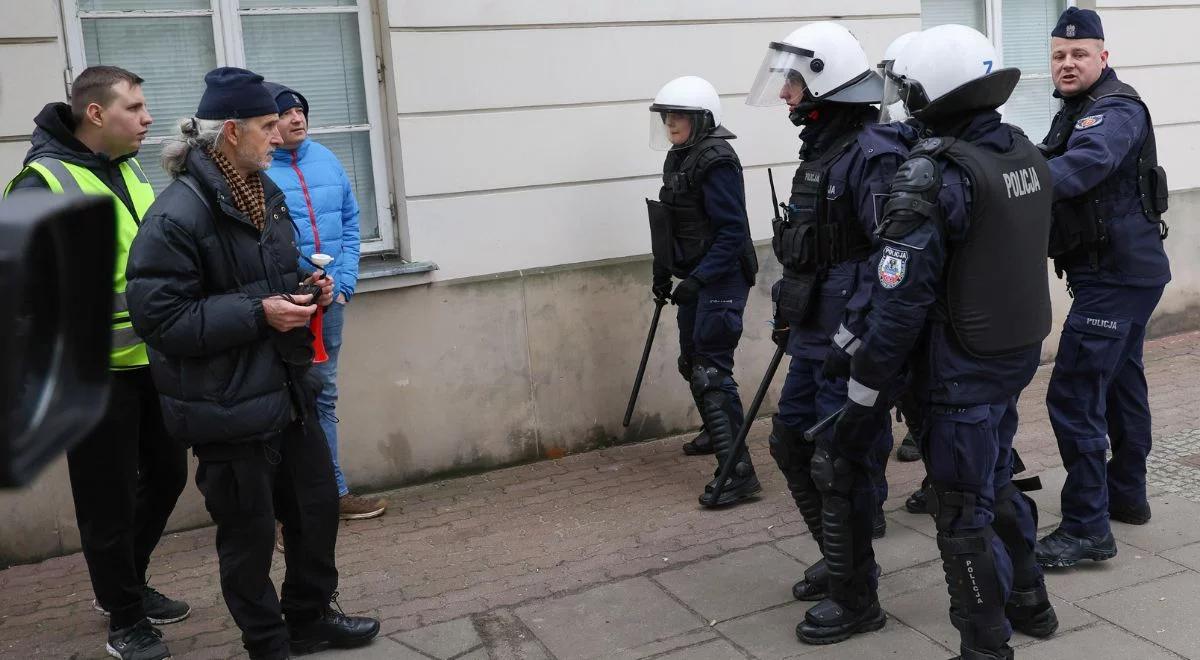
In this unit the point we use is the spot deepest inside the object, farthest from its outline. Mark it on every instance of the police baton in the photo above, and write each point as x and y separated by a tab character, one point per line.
823	425
740	442
637	381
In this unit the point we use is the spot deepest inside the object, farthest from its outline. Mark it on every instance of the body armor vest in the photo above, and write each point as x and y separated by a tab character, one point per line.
997	293
680	230
1079	223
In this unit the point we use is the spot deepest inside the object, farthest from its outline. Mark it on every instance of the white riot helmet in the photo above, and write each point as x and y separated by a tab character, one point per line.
825	60
951	69
691	98
891	108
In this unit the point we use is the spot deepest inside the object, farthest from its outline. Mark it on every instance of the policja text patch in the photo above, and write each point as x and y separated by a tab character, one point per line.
892	267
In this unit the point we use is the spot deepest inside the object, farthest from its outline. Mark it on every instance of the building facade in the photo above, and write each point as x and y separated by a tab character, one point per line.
499	153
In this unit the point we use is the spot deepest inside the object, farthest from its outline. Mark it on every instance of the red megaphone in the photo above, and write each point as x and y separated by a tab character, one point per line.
319	354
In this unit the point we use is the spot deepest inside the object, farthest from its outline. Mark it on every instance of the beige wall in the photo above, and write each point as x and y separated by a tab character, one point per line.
32	61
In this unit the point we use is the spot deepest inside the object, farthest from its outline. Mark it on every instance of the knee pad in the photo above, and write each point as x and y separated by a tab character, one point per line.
831	474
706	378
948	505
788	447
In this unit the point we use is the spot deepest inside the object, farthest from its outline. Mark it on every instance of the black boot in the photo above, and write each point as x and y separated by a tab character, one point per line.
879	530
1005	653
918	502
815	583
1030	612
827	622
1060	549
333	629
1136	514
908	452
718	410
699	445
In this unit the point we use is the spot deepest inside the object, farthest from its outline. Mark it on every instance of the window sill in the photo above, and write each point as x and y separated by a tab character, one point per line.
381	273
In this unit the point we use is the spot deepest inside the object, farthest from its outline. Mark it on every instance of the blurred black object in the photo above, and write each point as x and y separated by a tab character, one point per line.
56	268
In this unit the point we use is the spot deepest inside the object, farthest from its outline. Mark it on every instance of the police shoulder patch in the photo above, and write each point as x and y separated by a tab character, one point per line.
893	266
1088	122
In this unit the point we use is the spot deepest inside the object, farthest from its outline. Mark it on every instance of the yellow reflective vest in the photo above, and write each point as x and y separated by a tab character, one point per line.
128	350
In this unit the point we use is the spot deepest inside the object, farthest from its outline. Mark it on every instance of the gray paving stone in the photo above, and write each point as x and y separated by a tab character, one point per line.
1099	641
911	579
735	584
608	619
716	650
443	640
772	634
1161	611
1089	578
381	649
477	654
1188	555
1049	498
1172	526
508	638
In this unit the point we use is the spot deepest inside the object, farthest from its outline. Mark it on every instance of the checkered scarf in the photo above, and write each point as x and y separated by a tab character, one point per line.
248	194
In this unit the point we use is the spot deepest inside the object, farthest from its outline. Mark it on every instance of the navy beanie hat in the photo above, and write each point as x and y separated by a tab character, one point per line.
234	93
287	98
1076	23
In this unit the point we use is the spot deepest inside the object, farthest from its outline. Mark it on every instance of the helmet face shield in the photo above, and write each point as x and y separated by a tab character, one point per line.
677	127
902	97
780	75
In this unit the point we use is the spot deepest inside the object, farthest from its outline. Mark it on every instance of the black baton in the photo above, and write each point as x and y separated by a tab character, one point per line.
637	382
748	419
823	425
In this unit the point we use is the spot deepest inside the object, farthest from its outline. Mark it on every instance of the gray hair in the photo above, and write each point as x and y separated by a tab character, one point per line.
192	133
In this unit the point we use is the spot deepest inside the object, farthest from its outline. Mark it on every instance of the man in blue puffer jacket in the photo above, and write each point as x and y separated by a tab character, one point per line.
325	213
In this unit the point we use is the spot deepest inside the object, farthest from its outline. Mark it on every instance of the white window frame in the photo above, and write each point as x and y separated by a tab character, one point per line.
227	40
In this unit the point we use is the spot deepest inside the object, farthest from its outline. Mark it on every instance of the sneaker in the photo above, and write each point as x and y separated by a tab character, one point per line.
353	507
333	629
158	608
908	452
1062	549
1137	514
141	641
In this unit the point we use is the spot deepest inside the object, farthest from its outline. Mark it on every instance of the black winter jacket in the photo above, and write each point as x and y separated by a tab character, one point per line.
195	293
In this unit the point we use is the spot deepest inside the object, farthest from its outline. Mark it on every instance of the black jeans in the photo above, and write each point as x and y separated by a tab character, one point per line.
125	478
246	488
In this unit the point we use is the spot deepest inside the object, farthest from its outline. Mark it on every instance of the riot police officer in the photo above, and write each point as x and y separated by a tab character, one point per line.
821	72
963	300
1109	194
700	234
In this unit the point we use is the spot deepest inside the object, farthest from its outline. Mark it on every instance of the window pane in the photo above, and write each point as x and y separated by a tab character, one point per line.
148	5
1027	26
258	4
171	54
963	12
1032	107
354	152
317	55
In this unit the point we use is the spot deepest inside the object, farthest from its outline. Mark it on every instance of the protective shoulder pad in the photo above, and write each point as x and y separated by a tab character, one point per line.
879	139
708	153
913	201
931	147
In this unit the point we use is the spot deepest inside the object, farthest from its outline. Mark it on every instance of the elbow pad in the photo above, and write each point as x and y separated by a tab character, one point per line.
913	200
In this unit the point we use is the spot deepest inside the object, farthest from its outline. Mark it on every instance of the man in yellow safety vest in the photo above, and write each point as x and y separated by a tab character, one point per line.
127	473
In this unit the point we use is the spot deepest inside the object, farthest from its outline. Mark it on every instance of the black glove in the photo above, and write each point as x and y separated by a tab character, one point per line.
687	292
780	331
661	288
857	426
837	364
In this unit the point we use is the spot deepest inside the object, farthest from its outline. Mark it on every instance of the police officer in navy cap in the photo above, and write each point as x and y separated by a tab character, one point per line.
824	244
1109	195
700	235
963	301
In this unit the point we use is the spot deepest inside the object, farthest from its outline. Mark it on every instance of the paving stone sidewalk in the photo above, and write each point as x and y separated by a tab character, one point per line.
607	555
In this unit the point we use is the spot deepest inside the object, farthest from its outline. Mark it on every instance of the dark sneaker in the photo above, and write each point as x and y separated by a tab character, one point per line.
736	489
1137	514
907	452
918	502
1029	611
814	585
699	445
158	608
1062	549
880	528
332	630
141	641
827	622
353	507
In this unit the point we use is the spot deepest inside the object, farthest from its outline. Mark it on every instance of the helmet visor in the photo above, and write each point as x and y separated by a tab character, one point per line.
779	76
676	127
892	107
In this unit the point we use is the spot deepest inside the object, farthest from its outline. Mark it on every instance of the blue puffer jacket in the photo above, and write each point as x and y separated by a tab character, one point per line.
315	184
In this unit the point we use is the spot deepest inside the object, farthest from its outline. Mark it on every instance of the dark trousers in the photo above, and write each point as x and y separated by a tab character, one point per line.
246	489
1097	397
125	478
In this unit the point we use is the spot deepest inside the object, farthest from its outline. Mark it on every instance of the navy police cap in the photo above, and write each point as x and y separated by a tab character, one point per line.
1076	23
